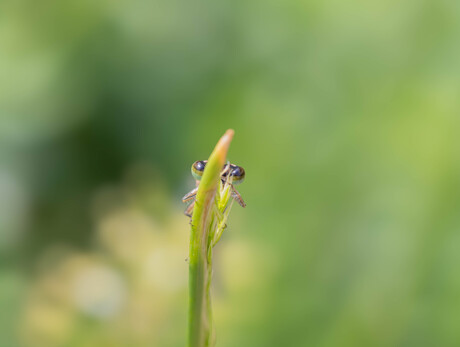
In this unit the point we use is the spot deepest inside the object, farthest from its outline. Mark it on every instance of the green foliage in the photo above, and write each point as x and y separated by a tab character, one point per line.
347	115
208	221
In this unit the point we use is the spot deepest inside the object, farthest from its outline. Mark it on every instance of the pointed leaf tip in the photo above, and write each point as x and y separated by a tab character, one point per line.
223	145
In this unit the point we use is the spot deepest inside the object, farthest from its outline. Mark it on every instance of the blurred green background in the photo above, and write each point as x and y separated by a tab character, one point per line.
347	120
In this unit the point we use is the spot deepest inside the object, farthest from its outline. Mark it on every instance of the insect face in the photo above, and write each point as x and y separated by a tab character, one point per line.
198	169
236	172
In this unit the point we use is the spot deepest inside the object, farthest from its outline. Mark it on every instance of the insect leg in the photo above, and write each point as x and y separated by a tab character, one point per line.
190	195
237	197
188	211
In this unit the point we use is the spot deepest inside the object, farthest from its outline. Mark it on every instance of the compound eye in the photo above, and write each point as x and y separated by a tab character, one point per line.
199	165
237	174
198	168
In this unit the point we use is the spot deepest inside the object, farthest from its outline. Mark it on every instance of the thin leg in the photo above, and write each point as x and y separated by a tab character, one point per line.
237	197
188	211
226	169
190	195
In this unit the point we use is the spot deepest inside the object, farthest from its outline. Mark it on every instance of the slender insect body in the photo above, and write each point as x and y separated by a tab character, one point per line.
231	174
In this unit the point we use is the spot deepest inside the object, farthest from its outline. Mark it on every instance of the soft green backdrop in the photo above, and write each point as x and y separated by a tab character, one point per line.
347	120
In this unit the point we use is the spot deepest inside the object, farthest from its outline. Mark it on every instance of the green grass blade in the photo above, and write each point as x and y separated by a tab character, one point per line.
201	242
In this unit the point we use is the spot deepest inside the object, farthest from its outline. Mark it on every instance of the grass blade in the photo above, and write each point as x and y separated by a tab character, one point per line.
204	221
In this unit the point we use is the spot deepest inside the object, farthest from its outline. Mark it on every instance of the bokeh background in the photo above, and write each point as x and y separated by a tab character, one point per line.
347	120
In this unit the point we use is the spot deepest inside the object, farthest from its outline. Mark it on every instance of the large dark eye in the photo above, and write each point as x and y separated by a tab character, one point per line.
198	168
237	174
199	165
237	171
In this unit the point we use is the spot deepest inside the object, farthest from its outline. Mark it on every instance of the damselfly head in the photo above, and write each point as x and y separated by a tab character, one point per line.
236	172
198	169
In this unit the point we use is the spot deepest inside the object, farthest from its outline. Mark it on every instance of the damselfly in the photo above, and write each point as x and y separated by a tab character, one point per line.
231	174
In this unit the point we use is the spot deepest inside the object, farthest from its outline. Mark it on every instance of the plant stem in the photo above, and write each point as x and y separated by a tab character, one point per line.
203	224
